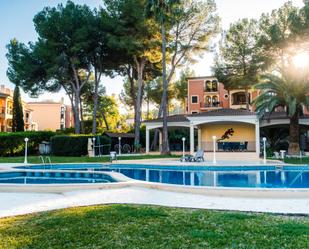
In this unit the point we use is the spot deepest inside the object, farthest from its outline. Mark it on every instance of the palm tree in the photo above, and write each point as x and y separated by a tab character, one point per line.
161	9
289	90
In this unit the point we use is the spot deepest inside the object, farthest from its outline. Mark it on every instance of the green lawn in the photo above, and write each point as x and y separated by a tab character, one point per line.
128	226
58	159
304	160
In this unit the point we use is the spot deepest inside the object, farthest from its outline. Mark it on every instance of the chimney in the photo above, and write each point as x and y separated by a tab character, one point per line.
2	88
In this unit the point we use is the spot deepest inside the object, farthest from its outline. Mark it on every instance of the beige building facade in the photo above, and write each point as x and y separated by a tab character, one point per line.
51	115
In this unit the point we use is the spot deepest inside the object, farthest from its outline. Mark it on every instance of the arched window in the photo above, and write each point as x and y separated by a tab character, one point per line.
215	101
207	101
214	85
208	86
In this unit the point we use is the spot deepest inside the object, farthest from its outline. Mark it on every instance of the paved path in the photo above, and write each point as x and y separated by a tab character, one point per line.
23	203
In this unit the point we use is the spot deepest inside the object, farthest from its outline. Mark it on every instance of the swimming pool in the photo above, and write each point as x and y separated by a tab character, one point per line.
53	177
209	176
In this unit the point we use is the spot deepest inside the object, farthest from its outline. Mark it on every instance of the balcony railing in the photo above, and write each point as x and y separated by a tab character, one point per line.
210	89
211	105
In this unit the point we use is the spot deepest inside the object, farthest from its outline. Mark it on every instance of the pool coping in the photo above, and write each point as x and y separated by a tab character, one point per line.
124	182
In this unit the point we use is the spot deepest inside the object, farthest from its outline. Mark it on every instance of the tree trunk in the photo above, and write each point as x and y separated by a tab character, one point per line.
165	147
294	148
82	125
105	120
77	113
95	102
247	99
137	122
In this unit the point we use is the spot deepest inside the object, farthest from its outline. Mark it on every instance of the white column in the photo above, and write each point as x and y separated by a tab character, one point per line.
192	178
192	139
147	175
215	179
257	138
199	138
147	140
160	140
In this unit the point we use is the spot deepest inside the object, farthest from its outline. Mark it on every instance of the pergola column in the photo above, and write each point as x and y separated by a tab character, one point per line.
191	138
160	140
147	140
257	138
199	138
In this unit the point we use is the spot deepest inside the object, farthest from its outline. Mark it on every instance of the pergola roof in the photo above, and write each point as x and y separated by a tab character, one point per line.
212	113
173	118
224	112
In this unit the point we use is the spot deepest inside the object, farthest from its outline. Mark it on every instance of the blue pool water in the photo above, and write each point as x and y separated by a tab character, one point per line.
226	176
27	177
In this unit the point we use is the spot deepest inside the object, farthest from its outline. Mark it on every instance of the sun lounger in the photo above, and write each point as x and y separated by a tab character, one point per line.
199	157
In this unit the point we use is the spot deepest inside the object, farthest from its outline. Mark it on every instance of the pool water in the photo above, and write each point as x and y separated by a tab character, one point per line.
29	177
227	176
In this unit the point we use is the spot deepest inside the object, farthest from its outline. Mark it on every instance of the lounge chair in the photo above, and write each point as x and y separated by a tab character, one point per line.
277	155
199	157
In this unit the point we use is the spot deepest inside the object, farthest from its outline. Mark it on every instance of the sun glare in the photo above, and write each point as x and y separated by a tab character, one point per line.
301	60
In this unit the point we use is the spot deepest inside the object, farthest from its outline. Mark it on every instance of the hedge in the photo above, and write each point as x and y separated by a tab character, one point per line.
76	145
13	144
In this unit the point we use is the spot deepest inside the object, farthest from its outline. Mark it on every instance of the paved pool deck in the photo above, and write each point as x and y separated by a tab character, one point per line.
23	203
18	203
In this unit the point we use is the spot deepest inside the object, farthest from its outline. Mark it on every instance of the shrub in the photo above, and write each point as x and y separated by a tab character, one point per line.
76	145
13	144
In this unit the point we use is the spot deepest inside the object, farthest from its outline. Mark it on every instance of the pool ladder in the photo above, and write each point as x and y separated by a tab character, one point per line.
47	160
299	175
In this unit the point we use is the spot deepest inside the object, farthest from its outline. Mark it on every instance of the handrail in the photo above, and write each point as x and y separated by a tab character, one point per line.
298	175
49	161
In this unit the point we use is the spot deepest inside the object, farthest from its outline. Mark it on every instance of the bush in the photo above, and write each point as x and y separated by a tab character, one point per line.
76	145
13	144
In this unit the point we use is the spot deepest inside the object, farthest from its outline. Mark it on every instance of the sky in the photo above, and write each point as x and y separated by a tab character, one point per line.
16	22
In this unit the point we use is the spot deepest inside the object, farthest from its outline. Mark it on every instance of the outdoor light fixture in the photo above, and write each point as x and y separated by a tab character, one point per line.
264	149
119	138
26	150
93	145
214	138
183	147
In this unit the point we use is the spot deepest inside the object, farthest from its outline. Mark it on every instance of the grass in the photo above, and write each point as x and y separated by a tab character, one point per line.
304	160
132	226
67	159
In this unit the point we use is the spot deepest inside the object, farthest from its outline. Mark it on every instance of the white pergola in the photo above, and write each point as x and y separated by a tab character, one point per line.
195	122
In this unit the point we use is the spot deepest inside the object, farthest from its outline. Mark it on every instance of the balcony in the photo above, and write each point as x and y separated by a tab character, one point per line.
2	112
213	105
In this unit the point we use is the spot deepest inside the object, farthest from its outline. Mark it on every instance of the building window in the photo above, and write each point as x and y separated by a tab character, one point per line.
208	101
194	99
215	101
226	96
211	101
211	86
239	98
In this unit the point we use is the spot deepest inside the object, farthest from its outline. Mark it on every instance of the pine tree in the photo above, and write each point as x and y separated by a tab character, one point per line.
18	116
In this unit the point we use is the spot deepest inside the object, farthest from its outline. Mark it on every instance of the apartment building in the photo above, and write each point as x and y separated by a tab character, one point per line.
51	115
6	111
206	93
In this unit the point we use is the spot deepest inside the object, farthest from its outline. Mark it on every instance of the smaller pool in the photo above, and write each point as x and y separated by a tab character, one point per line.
53	177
